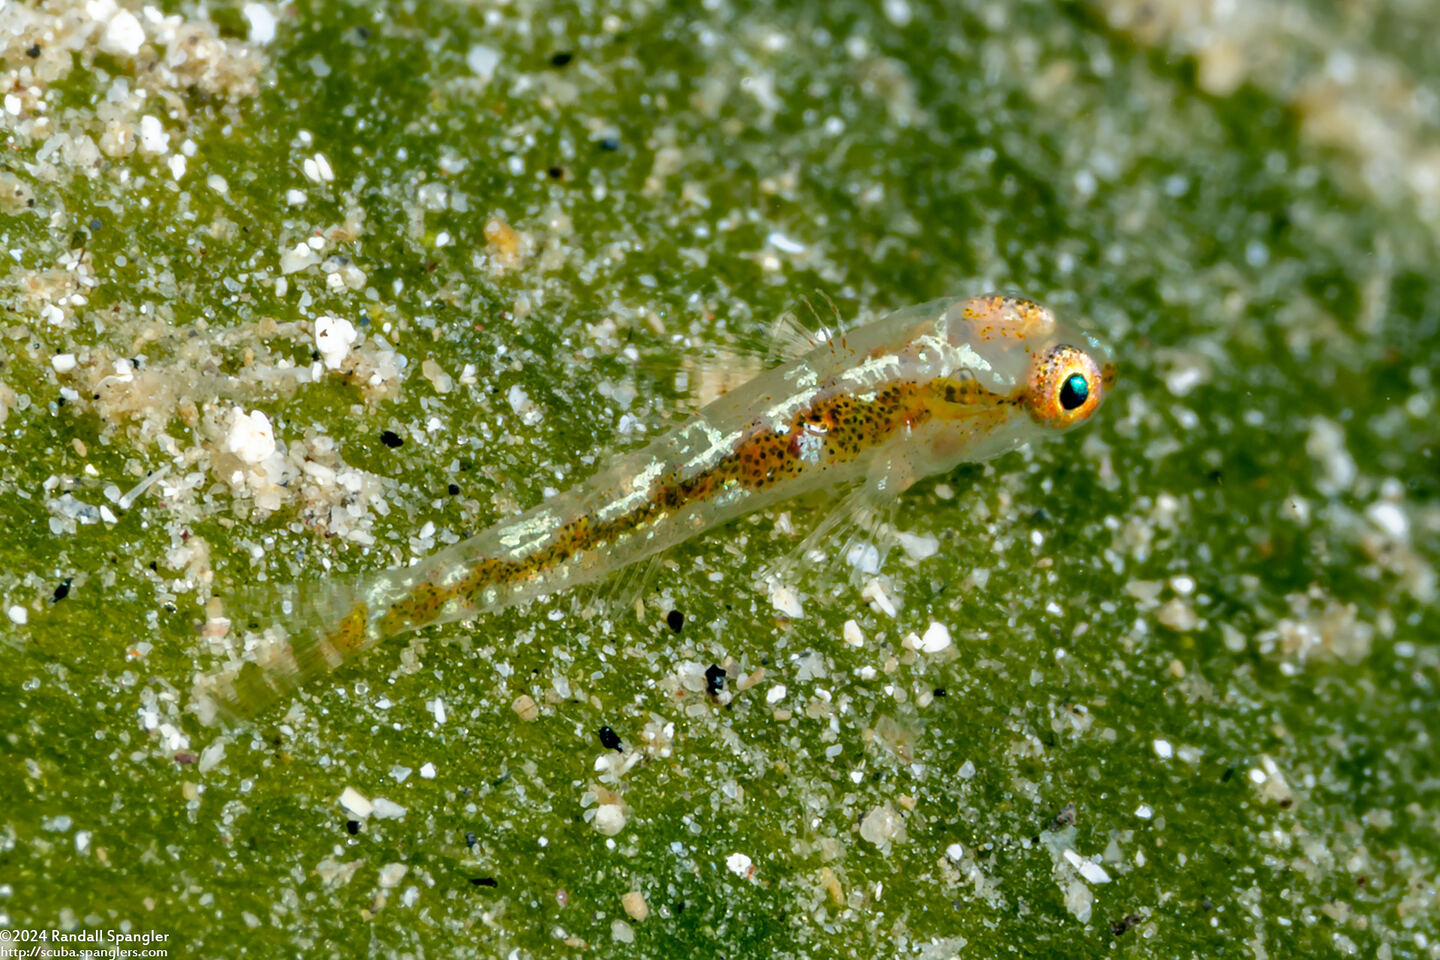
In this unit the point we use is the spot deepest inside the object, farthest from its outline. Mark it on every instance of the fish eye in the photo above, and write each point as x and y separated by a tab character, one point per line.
1074	391
1065	386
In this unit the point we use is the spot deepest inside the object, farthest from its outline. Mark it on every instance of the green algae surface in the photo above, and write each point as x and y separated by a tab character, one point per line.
1188	699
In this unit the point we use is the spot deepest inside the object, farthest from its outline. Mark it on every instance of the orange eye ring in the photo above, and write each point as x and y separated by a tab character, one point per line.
1065	387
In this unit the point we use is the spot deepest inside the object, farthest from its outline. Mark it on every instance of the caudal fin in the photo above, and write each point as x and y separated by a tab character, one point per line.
274	639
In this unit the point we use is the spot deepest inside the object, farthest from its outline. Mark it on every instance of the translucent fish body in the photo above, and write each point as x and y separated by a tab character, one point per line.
905	397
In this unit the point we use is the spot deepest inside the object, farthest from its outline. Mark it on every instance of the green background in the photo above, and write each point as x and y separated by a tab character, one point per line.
1236	556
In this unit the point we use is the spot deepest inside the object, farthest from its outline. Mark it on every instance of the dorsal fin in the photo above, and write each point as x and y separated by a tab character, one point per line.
795	334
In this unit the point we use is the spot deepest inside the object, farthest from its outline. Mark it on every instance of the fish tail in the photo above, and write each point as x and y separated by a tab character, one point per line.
278	638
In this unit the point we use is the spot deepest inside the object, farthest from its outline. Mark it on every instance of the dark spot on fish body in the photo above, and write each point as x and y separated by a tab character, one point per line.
426	600
484	573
